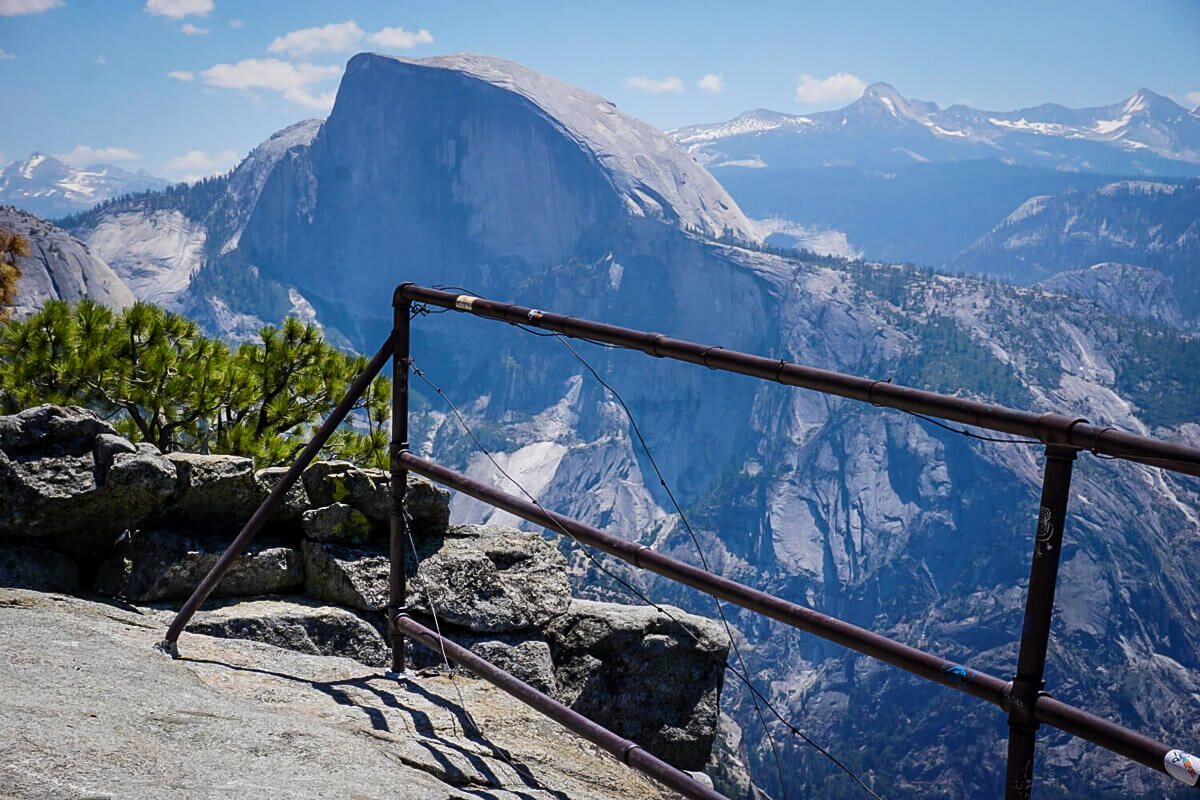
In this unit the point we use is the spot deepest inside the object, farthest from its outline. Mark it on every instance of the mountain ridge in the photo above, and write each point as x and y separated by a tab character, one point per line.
47	187
1145	132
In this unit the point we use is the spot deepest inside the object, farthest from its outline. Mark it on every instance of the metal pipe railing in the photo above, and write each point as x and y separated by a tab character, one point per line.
1040	708
398	531
267	507
628	752
1035	632
1047	428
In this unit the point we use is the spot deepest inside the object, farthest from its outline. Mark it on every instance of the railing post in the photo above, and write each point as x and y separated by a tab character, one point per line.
398	522
1035	631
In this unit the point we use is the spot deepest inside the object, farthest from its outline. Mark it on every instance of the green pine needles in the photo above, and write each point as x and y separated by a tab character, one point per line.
161	380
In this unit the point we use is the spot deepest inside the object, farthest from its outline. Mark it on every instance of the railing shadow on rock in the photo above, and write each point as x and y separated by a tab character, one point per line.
1023	697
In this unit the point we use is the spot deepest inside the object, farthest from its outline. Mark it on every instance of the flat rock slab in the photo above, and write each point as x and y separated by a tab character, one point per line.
91	710
294	623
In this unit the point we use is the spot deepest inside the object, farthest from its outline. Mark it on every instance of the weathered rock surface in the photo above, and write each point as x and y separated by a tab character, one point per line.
651	678
490	580
369	491
240	719
53	486
215	490
152	565
527	658
294	503
295	623
329	482
498	591
60	267
428	504
347	576
28	567
336	523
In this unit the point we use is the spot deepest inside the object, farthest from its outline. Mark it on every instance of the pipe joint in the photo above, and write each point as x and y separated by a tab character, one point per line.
1056	428
1020	697
398	297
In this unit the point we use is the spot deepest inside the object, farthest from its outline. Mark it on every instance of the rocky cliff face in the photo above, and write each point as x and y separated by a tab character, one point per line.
1123	288
83	509
1148	223
60	267
870	515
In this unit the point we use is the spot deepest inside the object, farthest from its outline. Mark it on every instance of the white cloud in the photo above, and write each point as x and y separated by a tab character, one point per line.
236	23
842	86
101	60
335	37
182	74
83	154
341	37
712	83
191	30
303	97
654	87
15	8
5	56
267	73
178	9
295	81
201	163
399	39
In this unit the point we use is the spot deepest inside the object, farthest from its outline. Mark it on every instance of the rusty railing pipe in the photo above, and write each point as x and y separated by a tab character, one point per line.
1047	428
398	531
1111	736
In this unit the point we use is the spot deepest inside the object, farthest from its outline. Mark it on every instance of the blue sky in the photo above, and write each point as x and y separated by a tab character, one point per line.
184	88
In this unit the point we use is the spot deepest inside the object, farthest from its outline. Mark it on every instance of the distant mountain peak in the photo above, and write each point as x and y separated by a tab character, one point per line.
882	89
47	187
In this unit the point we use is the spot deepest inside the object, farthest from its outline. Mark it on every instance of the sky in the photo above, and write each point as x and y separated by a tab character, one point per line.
185	88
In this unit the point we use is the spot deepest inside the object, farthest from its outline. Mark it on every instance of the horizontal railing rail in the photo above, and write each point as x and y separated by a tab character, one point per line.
1047	428
965	679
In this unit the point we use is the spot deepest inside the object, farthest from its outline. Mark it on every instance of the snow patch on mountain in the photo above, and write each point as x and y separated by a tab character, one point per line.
1144	133
1029	208
1138	187
47	187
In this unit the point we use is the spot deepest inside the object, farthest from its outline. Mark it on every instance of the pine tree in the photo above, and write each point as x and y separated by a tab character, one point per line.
12	245
161	380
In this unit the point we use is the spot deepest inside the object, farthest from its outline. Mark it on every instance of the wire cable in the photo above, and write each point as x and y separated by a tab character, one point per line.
695	540
745	673
436	624
742	674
